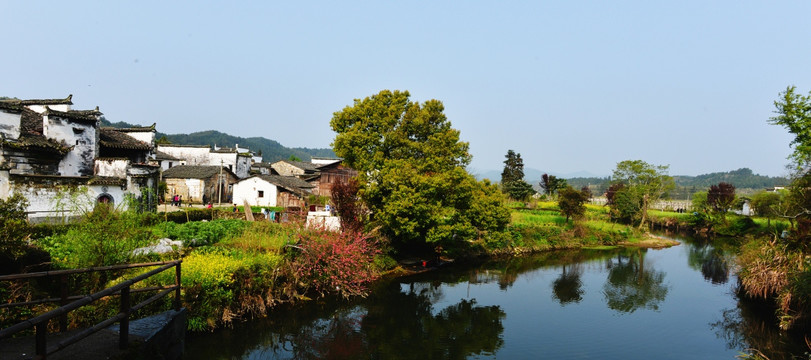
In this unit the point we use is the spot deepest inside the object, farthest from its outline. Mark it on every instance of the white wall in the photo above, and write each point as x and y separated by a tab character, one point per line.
79	160
322	161
41	108
112	167
10	125
323	219
192	155
58	203
5	186
196	188
145	136
248	189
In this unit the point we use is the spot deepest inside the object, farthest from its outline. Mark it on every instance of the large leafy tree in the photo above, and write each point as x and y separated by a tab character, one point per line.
572	203
793	111
721	198
644	184
412	174
551	184
512	178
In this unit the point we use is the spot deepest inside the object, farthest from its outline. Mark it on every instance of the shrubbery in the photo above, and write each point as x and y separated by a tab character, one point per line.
198	233
328	262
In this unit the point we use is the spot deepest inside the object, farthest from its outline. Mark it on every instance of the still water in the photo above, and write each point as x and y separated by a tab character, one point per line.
676	303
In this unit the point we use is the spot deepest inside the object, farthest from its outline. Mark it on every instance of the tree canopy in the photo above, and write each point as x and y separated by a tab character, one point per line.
411	166
794	113
512	178
643	184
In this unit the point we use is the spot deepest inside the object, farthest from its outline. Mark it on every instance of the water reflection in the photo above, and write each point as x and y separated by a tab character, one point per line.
751	325
561	304
631	285
455	332
710	260
568	288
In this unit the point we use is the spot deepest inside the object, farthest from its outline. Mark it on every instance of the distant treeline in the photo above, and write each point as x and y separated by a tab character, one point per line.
270	150
744	180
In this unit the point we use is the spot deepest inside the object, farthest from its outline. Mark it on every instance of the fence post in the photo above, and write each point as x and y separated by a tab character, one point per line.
177	284
42	338
124	326
63	294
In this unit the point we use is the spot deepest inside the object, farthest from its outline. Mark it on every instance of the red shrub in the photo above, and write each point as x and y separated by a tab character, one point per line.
331	262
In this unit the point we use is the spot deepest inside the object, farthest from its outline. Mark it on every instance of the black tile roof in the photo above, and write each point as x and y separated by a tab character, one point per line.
291	183
160	155
66	101
76	115
37	142
194	171
303	165
31	122
114	138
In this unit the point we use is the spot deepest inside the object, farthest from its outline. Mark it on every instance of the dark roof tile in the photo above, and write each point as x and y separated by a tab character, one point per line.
194	171
66	101
113	138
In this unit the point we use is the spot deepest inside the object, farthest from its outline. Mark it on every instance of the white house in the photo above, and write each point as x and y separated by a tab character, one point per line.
63	162
272	190
230	158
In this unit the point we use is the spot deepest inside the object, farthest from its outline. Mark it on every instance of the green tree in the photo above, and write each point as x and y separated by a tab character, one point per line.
14	225
551	184
721	198
412	174
512	178
794	113
764	204
644	184
572	203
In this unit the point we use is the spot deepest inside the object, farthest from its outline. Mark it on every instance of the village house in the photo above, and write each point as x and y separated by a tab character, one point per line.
322	173
272	190
200	183
232	159
63	162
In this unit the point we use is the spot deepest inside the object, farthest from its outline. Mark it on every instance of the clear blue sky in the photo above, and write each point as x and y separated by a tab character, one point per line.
572	86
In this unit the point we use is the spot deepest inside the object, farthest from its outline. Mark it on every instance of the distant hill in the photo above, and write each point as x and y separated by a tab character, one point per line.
271	150
744	180
741	178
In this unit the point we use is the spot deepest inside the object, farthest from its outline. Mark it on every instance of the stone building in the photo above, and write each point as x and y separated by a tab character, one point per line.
199	183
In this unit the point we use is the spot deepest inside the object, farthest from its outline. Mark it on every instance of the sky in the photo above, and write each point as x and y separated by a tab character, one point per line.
573	86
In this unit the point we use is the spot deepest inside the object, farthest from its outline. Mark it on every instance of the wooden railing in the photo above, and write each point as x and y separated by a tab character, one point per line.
70	303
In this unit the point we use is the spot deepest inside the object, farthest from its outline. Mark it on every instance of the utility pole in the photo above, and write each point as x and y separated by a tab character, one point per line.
219	186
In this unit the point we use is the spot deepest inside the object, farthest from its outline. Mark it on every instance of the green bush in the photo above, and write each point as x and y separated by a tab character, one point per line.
103	237
198	233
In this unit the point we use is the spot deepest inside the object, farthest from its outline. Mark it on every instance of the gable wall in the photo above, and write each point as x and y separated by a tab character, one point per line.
9	125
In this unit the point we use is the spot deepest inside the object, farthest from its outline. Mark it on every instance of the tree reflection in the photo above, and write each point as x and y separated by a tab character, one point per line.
751	325
568	288
711	261
631	286
456	332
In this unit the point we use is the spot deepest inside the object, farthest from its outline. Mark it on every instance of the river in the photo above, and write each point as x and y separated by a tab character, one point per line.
674	303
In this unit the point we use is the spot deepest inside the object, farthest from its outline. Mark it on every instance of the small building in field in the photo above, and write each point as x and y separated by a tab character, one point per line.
272	190
199	183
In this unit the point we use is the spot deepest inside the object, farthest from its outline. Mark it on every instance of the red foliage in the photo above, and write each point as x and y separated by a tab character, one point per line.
331	262
348	205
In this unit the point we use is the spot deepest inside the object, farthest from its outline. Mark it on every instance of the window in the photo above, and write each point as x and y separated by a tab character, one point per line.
170	164
261	193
